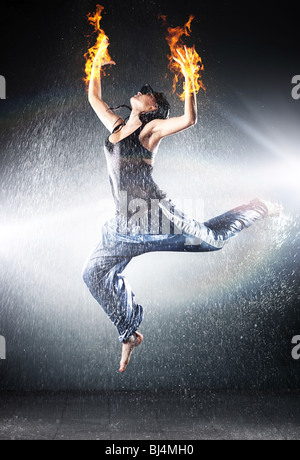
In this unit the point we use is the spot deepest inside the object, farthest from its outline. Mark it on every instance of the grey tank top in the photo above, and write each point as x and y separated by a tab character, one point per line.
129	175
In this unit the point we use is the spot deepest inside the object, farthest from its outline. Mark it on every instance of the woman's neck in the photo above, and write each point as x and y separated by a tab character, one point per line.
134	119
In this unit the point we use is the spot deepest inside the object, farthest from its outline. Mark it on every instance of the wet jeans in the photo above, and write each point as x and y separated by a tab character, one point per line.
103	270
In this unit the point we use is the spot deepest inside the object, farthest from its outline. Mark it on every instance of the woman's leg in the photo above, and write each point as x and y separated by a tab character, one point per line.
216	232
103	271
103	276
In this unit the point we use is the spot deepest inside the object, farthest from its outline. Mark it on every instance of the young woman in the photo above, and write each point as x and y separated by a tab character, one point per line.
146	220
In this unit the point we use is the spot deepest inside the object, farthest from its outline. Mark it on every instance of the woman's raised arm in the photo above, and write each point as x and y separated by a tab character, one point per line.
174	125
107	116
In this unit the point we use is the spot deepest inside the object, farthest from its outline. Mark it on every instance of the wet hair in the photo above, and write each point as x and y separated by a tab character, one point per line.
163	111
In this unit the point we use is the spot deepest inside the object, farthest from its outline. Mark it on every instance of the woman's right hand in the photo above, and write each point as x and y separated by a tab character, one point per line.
107	116
103	62
185	62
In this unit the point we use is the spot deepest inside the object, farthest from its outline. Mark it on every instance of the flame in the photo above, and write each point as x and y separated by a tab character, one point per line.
194	69
102	44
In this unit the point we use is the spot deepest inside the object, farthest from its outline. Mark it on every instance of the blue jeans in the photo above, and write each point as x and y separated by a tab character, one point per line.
103	270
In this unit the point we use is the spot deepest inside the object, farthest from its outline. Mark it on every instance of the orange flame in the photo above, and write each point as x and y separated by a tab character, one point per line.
101	45
195	67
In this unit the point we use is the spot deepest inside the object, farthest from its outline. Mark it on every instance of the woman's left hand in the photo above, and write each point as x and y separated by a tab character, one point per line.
185	62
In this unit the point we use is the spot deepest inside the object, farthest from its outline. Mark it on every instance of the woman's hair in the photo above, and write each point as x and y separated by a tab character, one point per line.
163	111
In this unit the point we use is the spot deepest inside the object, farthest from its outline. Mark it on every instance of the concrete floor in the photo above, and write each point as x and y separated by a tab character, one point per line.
149	416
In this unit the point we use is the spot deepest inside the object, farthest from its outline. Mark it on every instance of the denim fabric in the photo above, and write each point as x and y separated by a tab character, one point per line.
103	270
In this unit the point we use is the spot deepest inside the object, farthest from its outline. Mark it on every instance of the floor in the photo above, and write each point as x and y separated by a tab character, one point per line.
149	416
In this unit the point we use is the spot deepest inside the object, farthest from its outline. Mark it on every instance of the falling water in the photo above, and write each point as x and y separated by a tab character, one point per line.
215	320
211	320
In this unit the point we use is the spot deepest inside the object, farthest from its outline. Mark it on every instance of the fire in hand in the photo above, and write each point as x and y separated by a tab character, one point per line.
184	61
100	49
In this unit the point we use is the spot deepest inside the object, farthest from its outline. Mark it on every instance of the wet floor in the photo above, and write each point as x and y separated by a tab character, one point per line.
150	416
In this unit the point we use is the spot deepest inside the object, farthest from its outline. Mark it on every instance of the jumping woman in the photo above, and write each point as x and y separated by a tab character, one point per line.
146	220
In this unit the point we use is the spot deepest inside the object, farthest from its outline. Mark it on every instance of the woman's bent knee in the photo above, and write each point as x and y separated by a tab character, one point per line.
89	272
85	274
94	272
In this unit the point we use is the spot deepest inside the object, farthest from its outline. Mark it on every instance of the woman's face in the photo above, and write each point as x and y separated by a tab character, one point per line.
144	102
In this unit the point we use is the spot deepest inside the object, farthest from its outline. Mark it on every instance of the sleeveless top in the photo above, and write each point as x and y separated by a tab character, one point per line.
130	176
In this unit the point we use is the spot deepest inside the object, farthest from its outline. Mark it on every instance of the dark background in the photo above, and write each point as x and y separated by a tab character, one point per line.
42	45
51	162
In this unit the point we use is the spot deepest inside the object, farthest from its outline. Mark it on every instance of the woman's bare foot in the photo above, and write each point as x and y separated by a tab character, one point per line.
274	209
134	341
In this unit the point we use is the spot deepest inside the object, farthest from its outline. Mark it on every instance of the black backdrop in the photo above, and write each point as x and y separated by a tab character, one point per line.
248	48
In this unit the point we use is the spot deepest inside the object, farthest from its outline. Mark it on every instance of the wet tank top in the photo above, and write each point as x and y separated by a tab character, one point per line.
130	176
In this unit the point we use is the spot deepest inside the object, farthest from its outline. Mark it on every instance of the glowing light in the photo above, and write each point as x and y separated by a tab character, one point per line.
102	43
194	69
5	235
284	175
22	235
289	173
